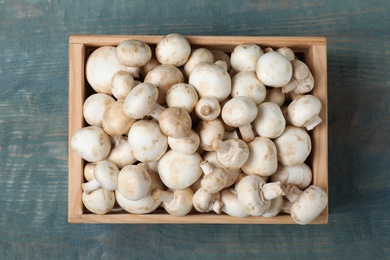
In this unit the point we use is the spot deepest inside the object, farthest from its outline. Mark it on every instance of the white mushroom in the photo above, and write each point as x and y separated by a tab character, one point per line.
100	67
302	80
275	95
207	108
303	111
293	146
122	154
222	56
299	175
91	143
133	53
164	77
105	176
269	121
231	153
275	208
94	107
151	64
215	179
208	131
144	205
175	122
99	201
204	201
231	205
115	121
178	170
88	171
175	202
147	141
210	80
273	69
245	56
307	205
182	95
134	181
255	195
287	52
246	83
197	56
262	159
121	84
187	145
173	49
240	112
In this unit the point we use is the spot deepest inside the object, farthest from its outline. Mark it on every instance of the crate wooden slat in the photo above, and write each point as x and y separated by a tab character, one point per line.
314	54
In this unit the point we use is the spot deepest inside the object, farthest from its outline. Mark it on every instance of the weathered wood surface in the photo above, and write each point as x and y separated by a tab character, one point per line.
34	122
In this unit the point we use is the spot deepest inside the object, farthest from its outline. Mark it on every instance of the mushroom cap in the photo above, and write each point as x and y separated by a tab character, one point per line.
100	67
299	175
235	157
106	173
151	64
179	171
88	171
246	83
232	175
275	95
173	49
208	131
239	111
99	201
245	56
164	77
181	204
231	205
187	145
141	100
122	154
133	53
175	122
147	141
182	95
269	121
122	83
115	121
250	196
309	205
134	182
197	56
204	201
293	146
274	209
94	107
287	52
262	158
144	205
222	56
214	181
273	69
210	80
91	143
303	109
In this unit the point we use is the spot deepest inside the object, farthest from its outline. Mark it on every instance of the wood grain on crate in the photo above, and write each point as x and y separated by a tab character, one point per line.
315	55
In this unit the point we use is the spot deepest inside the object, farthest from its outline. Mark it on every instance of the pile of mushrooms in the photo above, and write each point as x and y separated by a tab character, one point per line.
198	130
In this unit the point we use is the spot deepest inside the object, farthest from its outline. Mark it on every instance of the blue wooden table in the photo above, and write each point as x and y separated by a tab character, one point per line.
34	121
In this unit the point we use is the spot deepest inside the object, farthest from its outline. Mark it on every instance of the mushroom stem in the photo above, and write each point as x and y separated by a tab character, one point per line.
220	146
205	110
271	190
286	206
156	112
289	86
247	133
162	195
316	120
292	192
217	206
207	168
90	186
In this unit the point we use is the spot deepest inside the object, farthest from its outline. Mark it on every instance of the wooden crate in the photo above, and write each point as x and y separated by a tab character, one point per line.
312	50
